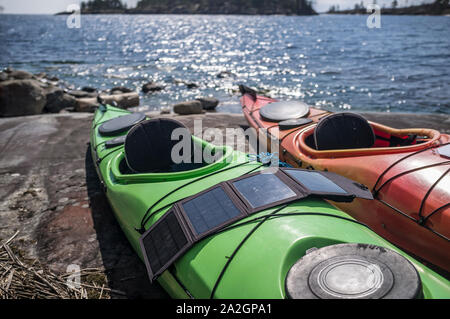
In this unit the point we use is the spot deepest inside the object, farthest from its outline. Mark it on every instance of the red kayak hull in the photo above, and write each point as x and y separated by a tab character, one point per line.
411	184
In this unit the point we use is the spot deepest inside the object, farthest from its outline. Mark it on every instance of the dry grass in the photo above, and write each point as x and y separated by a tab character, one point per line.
26	279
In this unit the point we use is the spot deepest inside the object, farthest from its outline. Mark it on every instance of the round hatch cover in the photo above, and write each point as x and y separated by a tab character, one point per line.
120	124
353	271
282	111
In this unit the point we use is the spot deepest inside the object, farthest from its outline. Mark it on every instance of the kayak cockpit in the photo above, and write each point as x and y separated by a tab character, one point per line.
348	134
153	153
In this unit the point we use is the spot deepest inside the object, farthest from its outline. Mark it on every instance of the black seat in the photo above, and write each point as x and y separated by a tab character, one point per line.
148	145
120	124
343	131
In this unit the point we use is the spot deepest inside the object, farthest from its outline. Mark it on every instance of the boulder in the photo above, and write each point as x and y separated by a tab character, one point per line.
88	89
41	75
189	85
189	107
21	97
165	110
225	74
82	94
151	87
3	76
53	79
20	75
208	103
121	89
124	101
57	100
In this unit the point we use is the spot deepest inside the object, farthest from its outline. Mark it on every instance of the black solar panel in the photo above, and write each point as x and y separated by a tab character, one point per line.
163	242
195	217
444	150
210	210
263	189
315	182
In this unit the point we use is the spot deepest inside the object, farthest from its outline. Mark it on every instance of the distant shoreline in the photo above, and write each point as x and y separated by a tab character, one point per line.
431	9
347	12
180	13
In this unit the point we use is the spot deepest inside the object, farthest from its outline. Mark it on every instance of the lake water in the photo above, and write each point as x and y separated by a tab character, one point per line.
333	62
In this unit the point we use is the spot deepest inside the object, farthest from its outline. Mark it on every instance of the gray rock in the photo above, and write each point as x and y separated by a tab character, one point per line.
121	89
151	87
225	74
82	94
78	94
191	85
20	75
53	79
165	110
124	101
57	100
208	103
21	97
89	89
3	76
189	107
41	75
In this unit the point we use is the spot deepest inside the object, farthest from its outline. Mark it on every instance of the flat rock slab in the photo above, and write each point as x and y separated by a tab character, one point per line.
50	192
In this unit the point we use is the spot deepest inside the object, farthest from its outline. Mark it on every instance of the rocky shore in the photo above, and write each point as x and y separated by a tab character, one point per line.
50	194
23	93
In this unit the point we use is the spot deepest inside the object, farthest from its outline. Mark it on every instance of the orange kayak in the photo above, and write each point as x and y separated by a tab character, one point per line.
406	169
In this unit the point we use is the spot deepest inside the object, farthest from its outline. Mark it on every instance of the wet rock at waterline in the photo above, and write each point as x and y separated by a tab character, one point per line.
79	94
21	97
19	75
124	100
120	89
3	76
189	107
208	103
89	89
151	87
225	74
165	110
189	85
57	100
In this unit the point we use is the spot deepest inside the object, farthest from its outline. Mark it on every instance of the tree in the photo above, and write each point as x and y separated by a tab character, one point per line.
394	4
102	5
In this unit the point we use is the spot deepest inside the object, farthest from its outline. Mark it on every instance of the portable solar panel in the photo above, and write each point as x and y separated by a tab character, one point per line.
263	189
315	181
163	243
201	215
209	210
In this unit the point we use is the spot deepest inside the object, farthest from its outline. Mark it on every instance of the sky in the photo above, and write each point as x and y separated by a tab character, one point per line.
53	6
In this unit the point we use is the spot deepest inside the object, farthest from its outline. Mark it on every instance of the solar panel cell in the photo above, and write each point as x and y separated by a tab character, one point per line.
263	189
315	182
210	210
164	241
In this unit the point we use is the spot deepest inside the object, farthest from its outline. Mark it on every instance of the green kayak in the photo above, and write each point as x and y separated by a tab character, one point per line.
284	246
